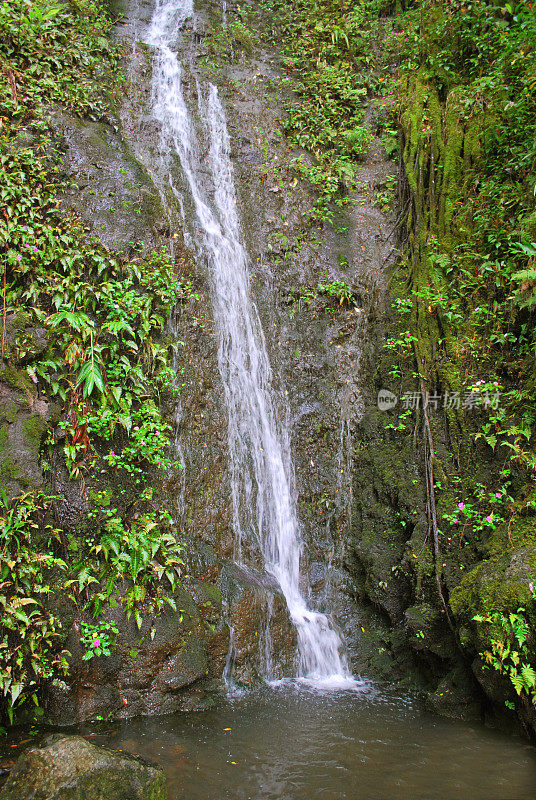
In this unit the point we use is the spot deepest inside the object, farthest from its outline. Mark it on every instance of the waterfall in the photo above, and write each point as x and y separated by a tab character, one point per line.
260	464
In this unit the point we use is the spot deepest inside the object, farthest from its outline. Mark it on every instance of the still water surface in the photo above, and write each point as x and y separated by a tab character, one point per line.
291	743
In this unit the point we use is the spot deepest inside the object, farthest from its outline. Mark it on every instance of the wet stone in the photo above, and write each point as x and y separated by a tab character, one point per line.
70	768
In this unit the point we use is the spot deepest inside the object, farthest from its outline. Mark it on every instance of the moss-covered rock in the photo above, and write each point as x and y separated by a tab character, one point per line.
70	768
455	697
23	422
498	584
111	188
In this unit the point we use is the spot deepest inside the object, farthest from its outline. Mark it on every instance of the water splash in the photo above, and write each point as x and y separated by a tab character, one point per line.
260	464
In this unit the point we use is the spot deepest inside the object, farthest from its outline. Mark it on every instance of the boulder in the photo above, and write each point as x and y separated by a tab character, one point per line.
260	625
155	670
70	768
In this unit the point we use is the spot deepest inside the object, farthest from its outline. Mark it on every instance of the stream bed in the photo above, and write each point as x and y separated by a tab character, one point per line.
288	742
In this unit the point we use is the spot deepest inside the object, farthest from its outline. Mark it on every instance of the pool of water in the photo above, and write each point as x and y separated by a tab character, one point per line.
289	742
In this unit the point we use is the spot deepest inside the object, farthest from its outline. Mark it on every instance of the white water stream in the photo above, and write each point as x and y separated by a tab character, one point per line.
260	462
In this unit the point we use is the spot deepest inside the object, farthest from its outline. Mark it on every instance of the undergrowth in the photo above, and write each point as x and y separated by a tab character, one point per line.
327	50
105	363
467	78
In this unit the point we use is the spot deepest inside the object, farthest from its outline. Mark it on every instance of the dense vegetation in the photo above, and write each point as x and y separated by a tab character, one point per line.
105	363
466	299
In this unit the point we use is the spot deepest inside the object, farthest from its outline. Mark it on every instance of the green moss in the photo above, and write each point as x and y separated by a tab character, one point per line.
17	378
34	429
499	584
518	534
4	436
9	469
102	498
16	324
208	593
422	615
9	410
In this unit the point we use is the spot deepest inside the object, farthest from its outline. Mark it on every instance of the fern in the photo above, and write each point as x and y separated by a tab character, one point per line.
506	630
526	277
529	677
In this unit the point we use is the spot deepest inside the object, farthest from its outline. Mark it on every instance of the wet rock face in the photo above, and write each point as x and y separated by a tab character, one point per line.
24	415
315	349
263	638
70	768
110	187
155	670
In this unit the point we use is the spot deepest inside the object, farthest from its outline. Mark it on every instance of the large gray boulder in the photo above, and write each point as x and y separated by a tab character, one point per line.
70	768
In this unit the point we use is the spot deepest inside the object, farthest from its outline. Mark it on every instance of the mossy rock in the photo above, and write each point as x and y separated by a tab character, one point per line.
499	584
9	409
520	534
70	768
9	470
153	670
23	338
208	593
34	429
20	444
4	437
17	378
454	697
422	616
112	191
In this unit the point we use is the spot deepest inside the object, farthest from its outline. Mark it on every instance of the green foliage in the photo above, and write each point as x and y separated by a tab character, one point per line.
29	632
402	344
148	440
305	297
134	562
104	317
338	289
468	114
98	639
401	423
230	41
509	652
482	511
525	294
53	52
384	194
138	565
106	362
325	46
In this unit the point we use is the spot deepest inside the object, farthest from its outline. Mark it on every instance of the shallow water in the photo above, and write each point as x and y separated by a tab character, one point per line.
293	743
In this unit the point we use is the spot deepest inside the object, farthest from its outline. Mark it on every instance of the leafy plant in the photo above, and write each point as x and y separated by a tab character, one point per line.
143	556
53	52
106	362
338	289
525	294
30	643
98	639
509	652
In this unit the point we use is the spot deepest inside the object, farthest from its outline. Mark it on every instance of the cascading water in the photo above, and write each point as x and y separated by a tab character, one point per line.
260	463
